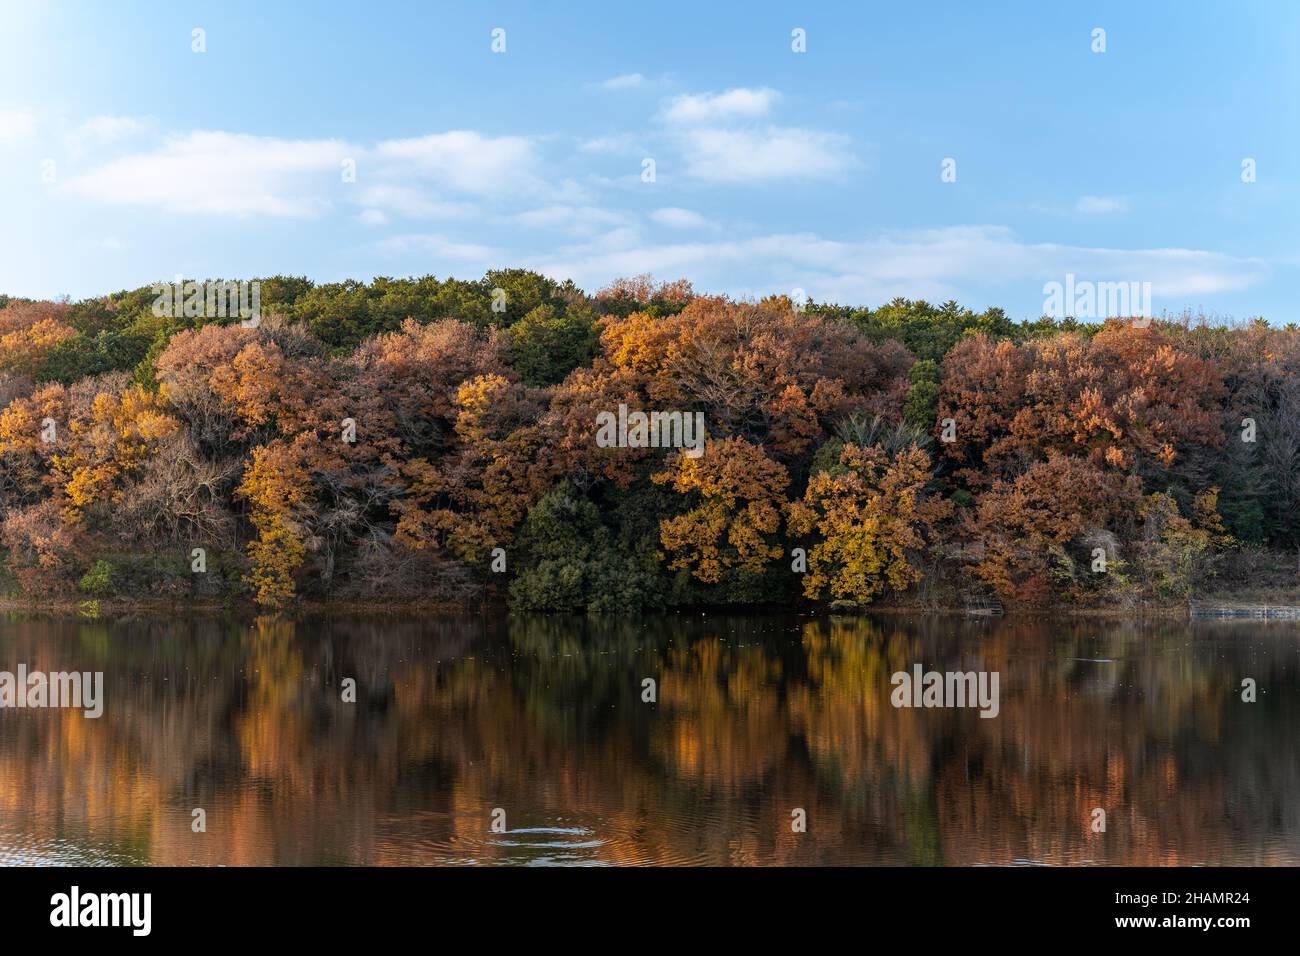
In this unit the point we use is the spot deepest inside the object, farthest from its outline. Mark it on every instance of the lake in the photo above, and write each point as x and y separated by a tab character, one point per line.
486	740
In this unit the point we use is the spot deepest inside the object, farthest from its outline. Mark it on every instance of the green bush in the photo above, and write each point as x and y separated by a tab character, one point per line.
571	561
98	580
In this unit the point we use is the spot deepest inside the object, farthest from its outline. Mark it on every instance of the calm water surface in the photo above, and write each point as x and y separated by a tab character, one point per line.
756	715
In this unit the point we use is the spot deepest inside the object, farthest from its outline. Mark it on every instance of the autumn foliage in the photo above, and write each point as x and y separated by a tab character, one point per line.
1125	399
736	492
409	439
869	518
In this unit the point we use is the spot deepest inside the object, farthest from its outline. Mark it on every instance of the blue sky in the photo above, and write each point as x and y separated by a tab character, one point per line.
126	157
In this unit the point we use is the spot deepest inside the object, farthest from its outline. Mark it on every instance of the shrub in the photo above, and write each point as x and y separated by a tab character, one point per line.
98	580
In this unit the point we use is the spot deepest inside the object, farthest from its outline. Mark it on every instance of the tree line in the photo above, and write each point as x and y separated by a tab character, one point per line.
425	439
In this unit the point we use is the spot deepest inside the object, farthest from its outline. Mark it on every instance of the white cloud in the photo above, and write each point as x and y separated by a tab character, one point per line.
107	129
100	131
221	173
936	264
426	244
469	161
242	175
722	139
730	155
740	103
624	81
675	217
1100	205
577	220
614	143
412	202
16	125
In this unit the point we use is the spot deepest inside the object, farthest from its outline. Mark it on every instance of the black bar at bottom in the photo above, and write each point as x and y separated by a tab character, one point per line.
306	905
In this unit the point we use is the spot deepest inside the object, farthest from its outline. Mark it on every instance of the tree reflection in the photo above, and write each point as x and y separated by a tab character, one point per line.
755	716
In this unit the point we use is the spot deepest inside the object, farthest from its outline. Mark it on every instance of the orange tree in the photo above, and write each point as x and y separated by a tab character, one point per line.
1126	399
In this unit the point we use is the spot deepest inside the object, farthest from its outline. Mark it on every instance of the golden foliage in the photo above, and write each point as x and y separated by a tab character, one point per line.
275	485
740	492
871	515
120	432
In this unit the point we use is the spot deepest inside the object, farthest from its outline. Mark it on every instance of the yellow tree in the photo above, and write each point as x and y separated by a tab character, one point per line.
23	349
120	432
30	429
1175	552
872	515
740	492
275	485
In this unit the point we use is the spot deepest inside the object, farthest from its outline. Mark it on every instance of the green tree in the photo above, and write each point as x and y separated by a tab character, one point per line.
570	561
921	404
547	344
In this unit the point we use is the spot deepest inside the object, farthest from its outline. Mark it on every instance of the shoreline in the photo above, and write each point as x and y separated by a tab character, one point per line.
94	609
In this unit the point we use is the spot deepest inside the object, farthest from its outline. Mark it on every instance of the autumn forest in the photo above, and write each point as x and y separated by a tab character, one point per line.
426	440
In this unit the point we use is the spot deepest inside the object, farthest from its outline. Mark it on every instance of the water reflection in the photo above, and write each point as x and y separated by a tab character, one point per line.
756	715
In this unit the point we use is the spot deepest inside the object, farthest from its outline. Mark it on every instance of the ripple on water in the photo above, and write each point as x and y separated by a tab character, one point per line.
57	853
598	842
